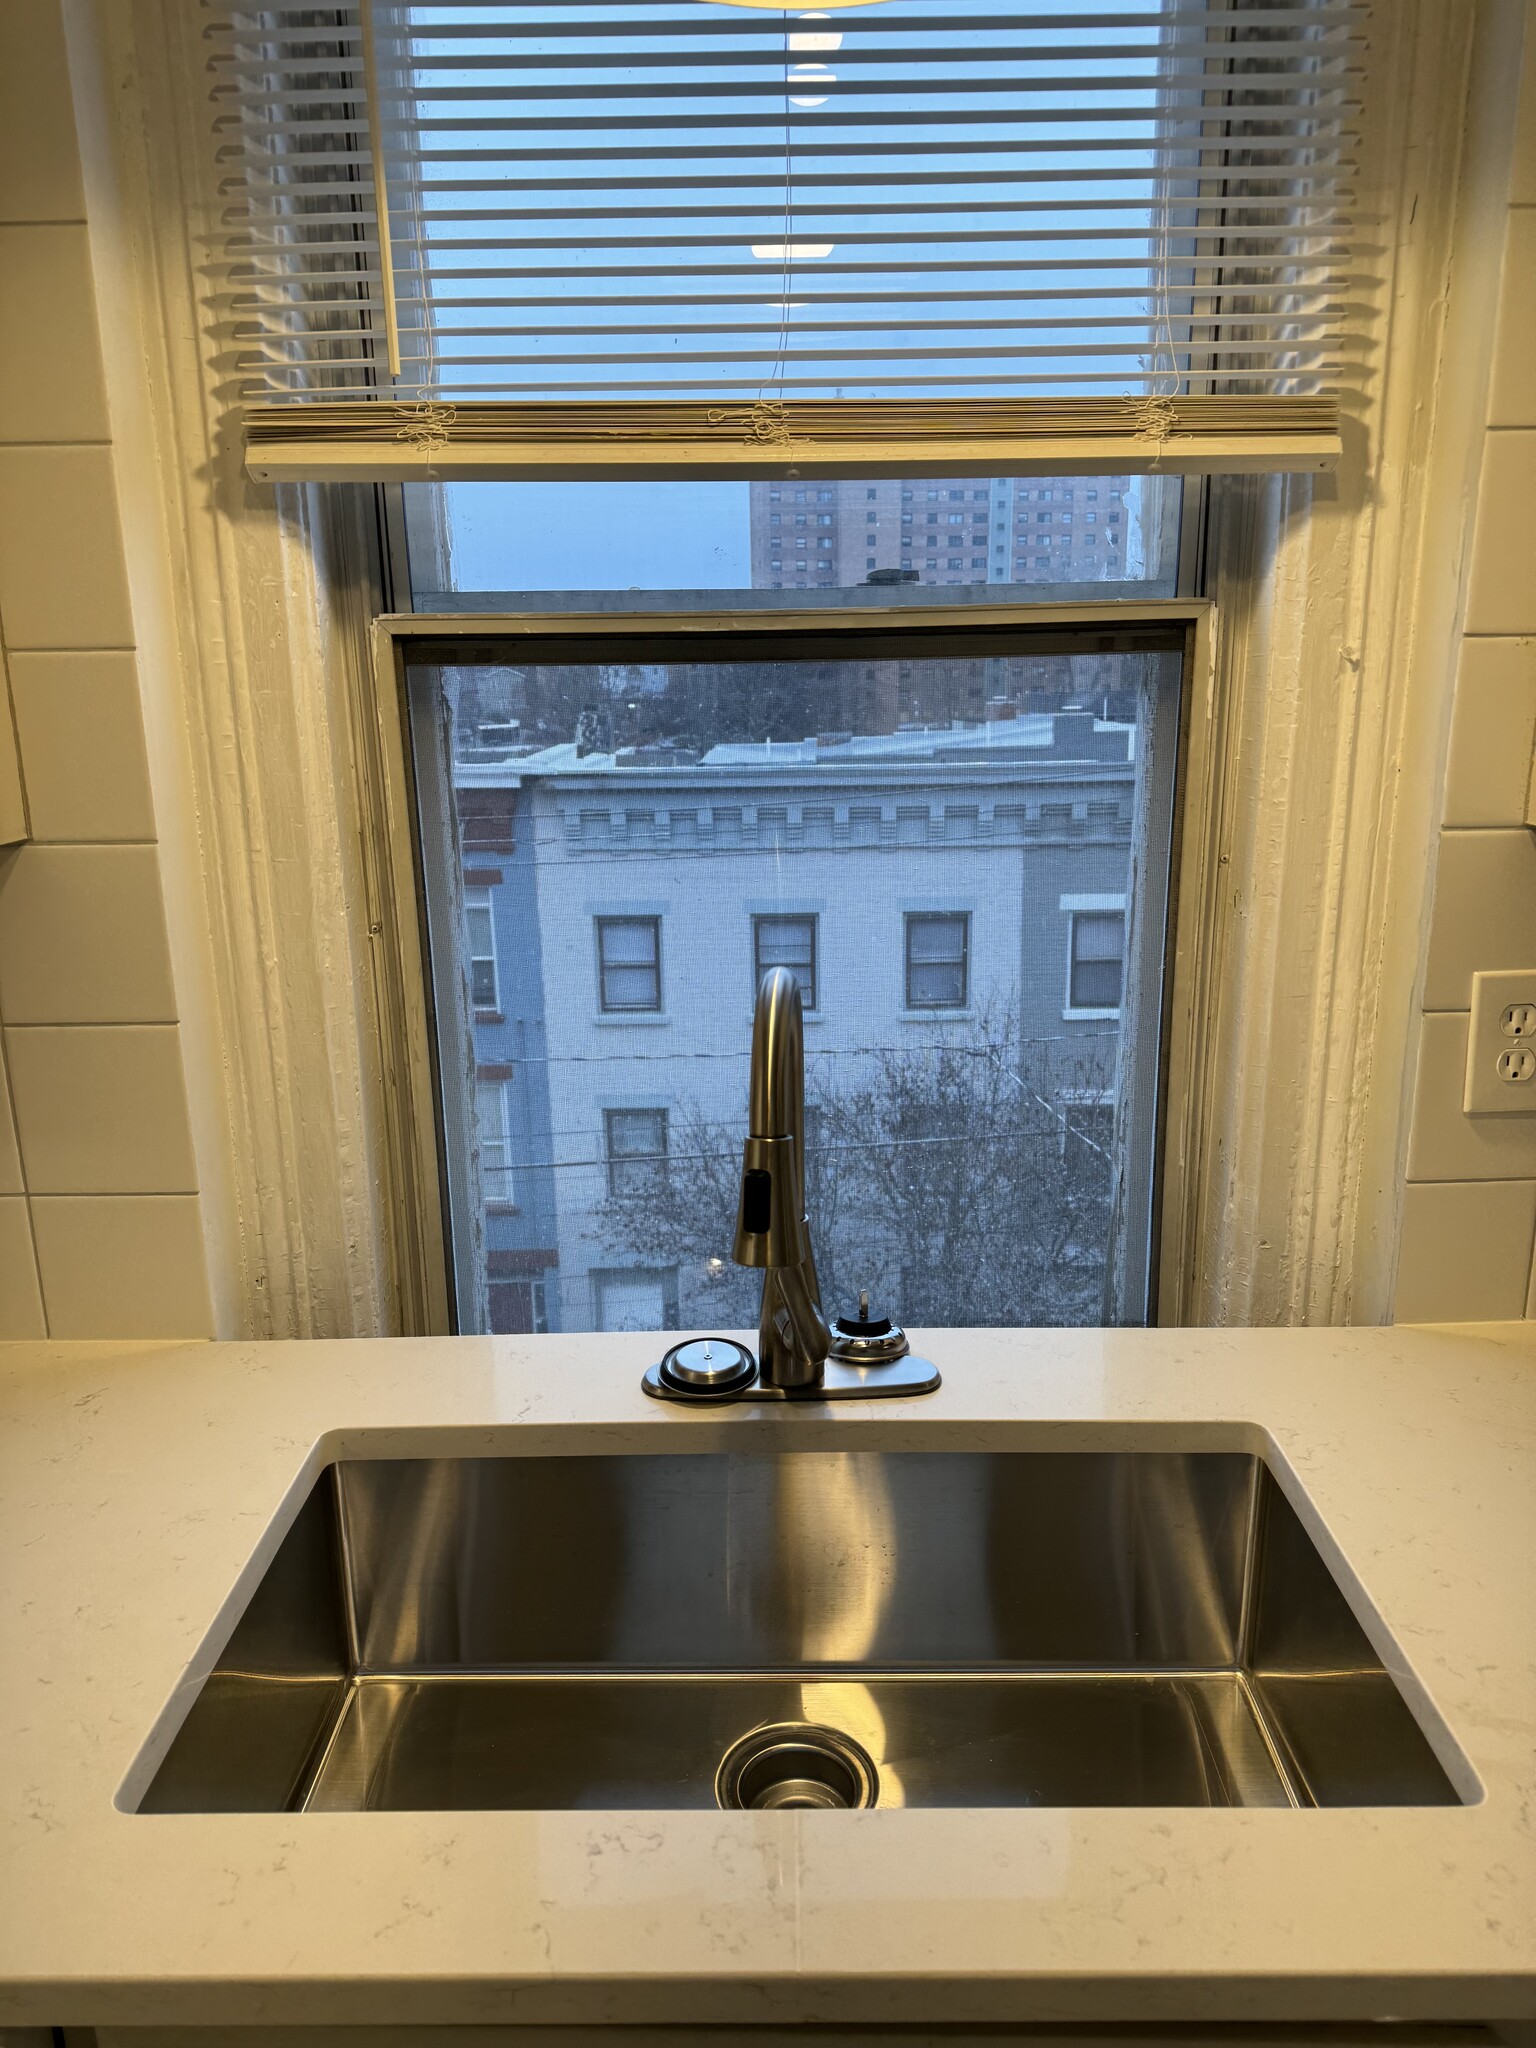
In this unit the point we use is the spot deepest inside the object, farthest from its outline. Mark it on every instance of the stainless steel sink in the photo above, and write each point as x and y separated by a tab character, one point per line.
893	1628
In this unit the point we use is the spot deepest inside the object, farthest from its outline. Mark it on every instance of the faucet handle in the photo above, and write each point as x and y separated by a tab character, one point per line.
866	1339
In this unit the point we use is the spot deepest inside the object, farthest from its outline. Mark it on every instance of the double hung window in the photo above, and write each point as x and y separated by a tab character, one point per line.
629	963
480	949
938	961
786	942
1096	975
636	1145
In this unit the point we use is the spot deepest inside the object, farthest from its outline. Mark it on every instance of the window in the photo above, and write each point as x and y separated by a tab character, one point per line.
1096	971
786	942
480	929
629	963
938	961
872	769
635	1142
637	1299
493	1139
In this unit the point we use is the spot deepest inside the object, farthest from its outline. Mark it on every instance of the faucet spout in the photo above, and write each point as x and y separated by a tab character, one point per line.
772	1229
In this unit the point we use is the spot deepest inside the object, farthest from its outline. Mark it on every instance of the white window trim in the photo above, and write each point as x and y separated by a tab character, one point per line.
1072	905
1295	980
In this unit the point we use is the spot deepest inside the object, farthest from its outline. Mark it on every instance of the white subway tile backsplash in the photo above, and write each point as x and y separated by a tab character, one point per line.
1465	1253
21	1306
1501	591
51	383
1512	399
101	1109
1446	1143
1493	733
1484	912
82	937
82	746
62	577
122	1265
39	162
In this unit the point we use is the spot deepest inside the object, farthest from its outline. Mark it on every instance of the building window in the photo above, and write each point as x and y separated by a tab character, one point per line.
629	963
869	490
938	960
493	1139
1096	973
786	942
635	1141
480	929
870	562
637	1299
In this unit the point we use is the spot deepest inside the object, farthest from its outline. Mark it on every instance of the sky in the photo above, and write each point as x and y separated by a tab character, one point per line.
668	536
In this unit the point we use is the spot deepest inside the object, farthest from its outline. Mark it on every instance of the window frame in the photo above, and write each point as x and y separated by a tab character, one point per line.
473	894
622	1160
1173	969
504	1197
605	921
811	1004
910	920
1073	908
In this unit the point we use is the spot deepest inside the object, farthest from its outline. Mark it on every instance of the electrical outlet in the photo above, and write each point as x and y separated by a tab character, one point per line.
1501	1046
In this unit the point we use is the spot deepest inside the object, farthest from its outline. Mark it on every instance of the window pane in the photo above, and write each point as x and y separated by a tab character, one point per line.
637	1150
627	945
561	546
788	942
1098	946
629	953
922	813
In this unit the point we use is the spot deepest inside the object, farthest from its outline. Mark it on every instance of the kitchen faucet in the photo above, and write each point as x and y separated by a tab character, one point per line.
772	1229
862	1357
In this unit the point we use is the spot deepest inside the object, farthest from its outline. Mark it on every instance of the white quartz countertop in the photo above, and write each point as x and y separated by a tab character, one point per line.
143	1488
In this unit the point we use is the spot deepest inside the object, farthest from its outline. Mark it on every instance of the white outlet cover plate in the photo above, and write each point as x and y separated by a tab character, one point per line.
1486	1094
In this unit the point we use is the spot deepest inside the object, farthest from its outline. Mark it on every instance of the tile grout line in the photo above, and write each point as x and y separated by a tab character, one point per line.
5	1065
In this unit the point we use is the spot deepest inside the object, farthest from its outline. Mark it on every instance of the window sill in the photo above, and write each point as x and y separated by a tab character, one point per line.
502	1209
641	1017
937	1015
490	1017
1089	1016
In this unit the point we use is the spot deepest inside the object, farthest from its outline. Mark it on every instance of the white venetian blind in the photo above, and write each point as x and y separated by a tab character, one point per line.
503	237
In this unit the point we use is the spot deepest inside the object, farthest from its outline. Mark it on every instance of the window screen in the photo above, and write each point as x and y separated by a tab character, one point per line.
926	825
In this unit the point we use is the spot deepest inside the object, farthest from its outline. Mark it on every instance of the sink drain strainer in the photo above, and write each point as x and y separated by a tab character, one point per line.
795	1763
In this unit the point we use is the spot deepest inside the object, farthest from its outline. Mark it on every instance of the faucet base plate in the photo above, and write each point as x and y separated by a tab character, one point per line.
899	1379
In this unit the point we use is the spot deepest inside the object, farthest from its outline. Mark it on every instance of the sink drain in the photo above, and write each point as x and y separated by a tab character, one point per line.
796	1763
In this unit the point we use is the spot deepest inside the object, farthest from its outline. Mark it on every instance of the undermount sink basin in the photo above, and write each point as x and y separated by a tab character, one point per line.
812	1628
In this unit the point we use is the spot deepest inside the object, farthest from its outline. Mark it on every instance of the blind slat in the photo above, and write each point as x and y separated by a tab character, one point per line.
517	206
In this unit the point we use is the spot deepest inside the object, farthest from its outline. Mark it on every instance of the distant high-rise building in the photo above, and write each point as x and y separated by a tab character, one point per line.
945	531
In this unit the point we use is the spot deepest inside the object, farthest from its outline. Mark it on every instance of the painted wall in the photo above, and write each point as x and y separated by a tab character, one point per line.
1469	1218
101	1231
